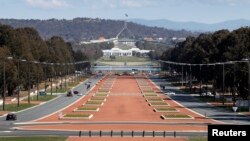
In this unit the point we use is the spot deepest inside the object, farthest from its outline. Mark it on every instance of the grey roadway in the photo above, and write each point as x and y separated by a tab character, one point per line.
203	108
50	107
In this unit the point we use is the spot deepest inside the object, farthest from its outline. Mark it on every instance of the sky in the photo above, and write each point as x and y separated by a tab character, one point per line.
204	11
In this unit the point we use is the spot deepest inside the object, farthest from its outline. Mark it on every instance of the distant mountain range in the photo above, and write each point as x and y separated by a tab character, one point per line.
84	29
193	26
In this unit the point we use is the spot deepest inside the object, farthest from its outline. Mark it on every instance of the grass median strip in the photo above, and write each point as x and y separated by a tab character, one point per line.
77	116
94	102
176	116
98	98
156	103
101	95
87	109
154	100
165	109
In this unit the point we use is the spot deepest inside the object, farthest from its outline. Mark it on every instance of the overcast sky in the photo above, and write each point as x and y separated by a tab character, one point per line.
205	11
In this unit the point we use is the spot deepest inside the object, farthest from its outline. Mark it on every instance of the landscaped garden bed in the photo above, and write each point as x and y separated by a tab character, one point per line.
153	100
165	109
161	103
98	98
176	116
149	94
100	95
104	90
77	116
148	91
81	109
94	103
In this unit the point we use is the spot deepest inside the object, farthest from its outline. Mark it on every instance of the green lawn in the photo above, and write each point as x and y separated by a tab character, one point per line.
13	107
63	90
100	94
33	138
94	102
162	109
158	103
77	115
154	99
176	116
87	108
98	98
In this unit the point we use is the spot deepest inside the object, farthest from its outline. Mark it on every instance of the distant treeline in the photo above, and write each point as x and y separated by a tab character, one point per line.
220	46
26	44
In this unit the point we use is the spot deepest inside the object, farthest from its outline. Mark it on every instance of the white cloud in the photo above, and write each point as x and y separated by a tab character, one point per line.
118	3
47	3
223	2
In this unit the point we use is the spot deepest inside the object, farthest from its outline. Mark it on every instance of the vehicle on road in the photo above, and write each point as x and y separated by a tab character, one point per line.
79	94
75	92
69	94
168	92
11	116
208	93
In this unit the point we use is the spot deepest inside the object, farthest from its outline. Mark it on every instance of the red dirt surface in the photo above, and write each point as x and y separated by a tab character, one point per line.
125	103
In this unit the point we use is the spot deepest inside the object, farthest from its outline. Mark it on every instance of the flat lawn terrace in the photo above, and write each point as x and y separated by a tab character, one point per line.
124	103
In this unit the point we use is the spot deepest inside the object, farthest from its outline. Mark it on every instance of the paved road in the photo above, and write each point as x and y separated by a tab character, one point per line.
97	133
47	108
203	108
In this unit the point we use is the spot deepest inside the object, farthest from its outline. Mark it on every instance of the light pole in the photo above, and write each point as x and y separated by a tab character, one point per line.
18	81
45	75
182	75
28	82
190	78
37	82
248	85
51	79
4	79
223	82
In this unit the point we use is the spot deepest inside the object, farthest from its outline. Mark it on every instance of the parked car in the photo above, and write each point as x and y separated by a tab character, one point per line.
69	94
169	92
79	94
208	93
11	116
75	92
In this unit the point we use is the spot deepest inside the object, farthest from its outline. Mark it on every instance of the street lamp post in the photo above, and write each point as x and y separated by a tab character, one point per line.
45	75
249	85
200	79
223	83
28	82
190	78
4	85
51	79
182	75
4	79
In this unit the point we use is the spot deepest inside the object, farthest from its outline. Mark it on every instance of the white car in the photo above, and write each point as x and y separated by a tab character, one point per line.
170	93
207	94
80	94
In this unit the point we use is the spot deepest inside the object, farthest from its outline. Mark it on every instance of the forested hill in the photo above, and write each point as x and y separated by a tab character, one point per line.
80	29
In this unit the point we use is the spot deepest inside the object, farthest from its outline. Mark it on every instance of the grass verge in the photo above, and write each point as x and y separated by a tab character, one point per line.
197	139
14	108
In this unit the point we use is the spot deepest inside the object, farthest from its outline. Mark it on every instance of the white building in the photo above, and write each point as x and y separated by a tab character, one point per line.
119	52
